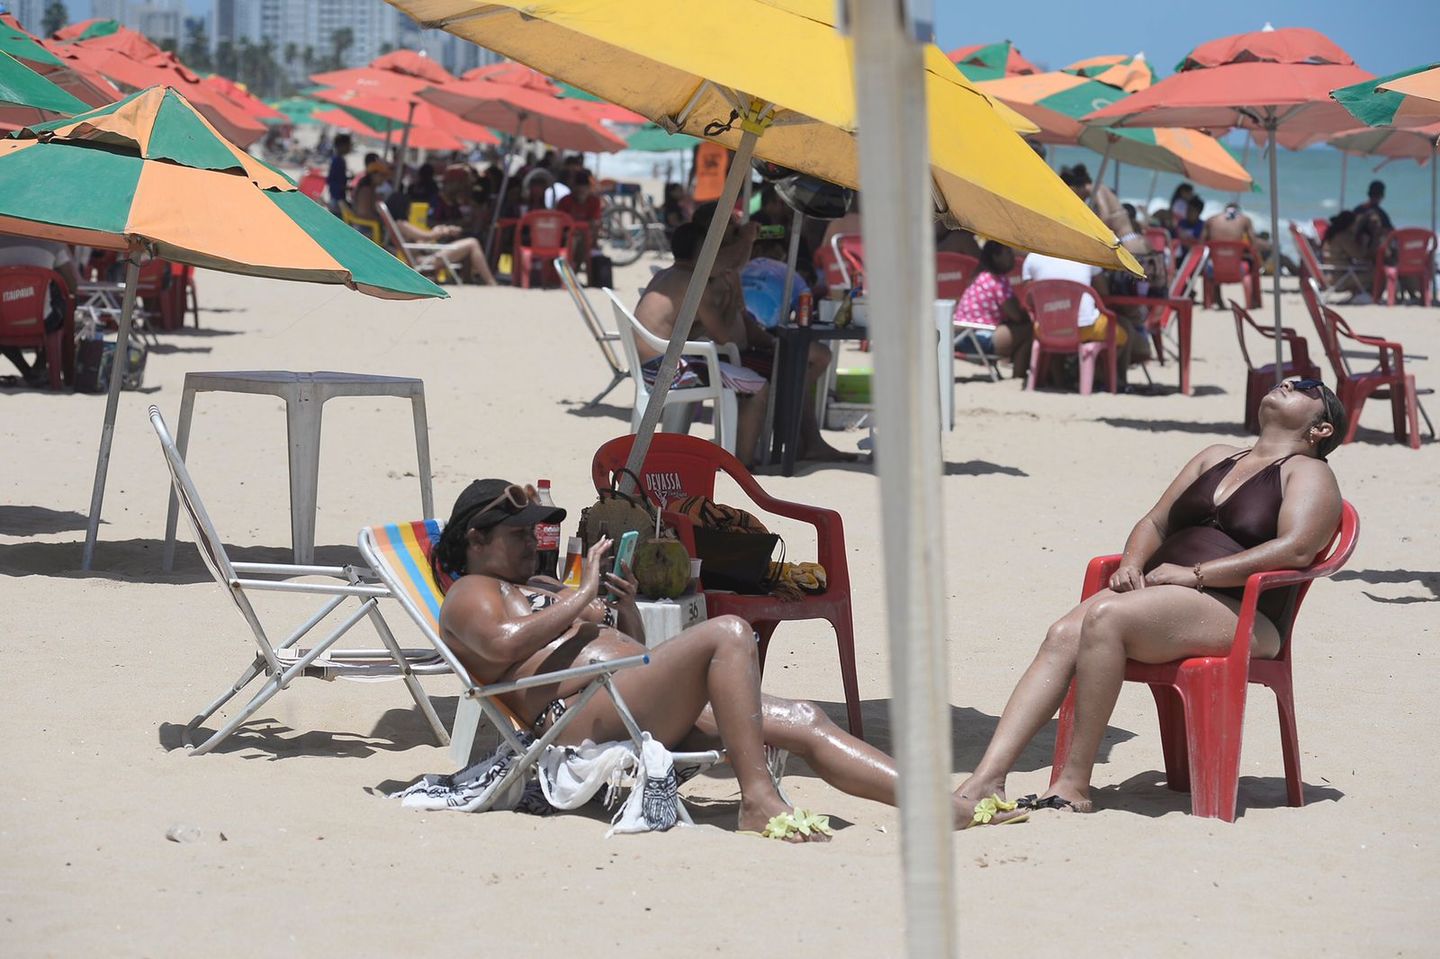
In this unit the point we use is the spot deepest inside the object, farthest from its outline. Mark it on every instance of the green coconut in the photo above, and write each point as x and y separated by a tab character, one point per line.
662	568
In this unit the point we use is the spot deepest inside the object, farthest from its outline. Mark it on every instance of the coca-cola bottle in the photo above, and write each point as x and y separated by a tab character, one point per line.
547	536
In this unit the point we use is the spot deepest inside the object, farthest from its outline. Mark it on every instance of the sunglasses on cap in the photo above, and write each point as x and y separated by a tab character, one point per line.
515	495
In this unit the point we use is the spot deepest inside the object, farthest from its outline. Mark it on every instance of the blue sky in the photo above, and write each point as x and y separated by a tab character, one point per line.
1383	36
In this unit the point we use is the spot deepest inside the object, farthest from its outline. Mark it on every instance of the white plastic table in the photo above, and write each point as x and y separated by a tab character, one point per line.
304	395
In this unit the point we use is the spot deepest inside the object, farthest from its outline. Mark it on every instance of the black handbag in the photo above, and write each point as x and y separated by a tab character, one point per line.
736	561
601	272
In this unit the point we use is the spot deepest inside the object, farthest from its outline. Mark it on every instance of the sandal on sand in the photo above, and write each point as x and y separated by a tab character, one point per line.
801	822
988	808
1033	801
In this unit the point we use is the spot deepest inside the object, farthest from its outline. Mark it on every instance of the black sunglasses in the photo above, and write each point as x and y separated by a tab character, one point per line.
1311	388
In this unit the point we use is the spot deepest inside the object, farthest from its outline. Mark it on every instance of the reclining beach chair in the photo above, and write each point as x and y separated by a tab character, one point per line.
604	339
399	554
283	663
422	257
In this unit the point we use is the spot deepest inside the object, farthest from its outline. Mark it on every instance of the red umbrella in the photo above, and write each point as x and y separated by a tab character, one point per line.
1275	81
386	83
525	112
256	108
424	119
132	43
413	64
84	85
339	118
515	74
164	69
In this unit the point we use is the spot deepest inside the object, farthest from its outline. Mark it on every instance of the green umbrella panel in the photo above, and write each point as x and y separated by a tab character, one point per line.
652	138
1375	107
297	110
23	91
22	46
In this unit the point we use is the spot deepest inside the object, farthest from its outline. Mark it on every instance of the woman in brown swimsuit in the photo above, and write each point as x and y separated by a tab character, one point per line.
504	624
1230	513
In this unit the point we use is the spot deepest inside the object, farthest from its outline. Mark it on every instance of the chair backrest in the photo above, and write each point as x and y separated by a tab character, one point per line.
587	313
1157	239
312	184
207	538
152	279
370	228
392	234
850	251
1299	346
1322	226
642	335
545	229
676	466
1414	249
419	214
1327	562
1242	318
1325	327
24	301
628	327
953	272
1054	307
1308	259
828	261
1228	259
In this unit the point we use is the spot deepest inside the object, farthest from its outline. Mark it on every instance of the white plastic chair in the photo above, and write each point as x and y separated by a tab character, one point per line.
676	416
422	257
604	339
283	663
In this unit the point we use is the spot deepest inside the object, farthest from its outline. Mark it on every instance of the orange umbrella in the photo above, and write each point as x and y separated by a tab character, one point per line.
257	108
385	83
132	43
339	118
412	63
430	127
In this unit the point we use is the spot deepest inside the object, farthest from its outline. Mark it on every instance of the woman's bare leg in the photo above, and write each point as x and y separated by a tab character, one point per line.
1158	624
1035	700
717	663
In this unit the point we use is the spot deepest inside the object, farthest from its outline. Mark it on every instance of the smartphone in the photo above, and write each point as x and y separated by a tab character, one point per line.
624	554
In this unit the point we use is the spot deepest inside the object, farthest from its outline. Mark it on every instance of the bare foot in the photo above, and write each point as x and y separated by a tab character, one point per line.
1064	799
968	796
821	451
756	816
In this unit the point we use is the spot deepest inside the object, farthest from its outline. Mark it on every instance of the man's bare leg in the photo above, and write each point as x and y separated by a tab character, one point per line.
750	421
812	444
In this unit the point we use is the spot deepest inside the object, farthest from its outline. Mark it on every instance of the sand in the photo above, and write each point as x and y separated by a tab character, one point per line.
299	854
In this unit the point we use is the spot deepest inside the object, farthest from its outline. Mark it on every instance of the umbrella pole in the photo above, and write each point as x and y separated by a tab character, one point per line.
896	181
112	403
1104	162
1150	197
739	168
504	188
1270	125
797	220
1244	162
1344	162
404	146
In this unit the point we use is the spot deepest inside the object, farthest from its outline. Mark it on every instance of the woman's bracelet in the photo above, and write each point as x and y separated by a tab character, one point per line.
1199	578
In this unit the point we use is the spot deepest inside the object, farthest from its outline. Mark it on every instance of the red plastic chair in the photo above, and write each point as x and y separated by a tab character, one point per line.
1322	226
312	184
1261	379
827	261
1232	261
1388	380
1201	701
678	466
850	249
1414	252
1054	307
953	272
24	303
1159	311
540	236
161	289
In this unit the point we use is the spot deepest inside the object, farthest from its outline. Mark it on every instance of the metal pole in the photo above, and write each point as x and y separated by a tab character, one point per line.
404	145
504	187
1150	197
1270	126
1104	162
112	403
1244	160
797	220
1344	162
739	169
895	180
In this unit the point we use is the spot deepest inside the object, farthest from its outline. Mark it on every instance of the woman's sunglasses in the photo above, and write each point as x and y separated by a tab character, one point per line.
1311	388
515	495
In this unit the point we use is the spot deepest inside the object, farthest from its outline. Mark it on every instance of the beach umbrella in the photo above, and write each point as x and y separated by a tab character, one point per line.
150	174
296	111
1375	104
727	71
27	97
652	138
1056	102
385	83
414	63
54	65
1266	82
253	106
1392	118
345	120
517	74
991	61
1130	73
89	29
165	69
419	117
1421	90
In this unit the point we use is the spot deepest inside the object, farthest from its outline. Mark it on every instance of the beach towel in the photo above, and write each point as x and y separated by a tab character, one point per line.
691	372
567	777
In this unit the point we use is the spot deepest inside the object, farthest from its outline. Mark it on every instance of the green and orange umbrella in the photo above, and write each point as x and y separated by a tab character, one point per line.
1130	73
1056	102
991	61
1384	101
27	97
149	174
1421	90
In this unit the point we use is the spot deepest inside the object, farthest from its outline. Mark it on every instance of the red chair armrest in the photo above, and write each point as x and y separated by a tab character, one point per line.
1098	573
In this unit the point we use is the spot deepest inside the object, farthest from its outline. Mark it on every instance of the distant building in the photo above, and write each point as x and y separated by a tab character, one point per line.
30	13
159	20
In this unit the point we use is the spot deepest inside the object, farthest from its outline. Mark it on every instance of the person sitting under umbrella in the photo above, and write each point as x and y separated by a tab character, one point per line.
1228	514
465	250
505	624
989	301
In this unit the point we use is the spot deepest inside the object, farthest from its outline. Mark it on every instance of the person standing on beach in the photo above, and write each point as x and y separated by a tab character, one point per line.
337	181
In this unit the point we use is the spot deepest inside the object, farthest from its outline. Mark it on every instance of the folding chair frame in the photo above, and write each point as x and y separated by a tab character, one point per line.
422	257
321	661
603	337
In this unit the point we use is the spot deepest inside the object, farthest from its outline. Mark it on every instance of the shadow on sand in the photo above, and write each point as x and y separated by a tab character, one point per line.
38	520
1429	580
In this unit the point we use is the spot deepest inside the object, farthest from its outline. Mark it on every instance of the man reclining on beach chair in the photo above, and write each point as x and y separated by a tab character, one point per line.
504	625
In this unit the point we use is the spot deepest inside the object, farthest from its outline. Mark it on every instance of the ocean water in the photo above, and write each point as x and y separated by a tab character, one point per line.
1309	182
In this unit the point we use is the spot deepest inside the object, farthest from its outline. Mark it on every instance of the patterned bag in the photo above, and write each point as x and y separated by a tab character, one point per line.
734	547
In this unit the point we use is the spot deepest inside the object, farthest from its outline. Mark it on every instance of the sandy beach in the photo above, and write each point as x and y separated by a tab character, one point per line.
300	854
